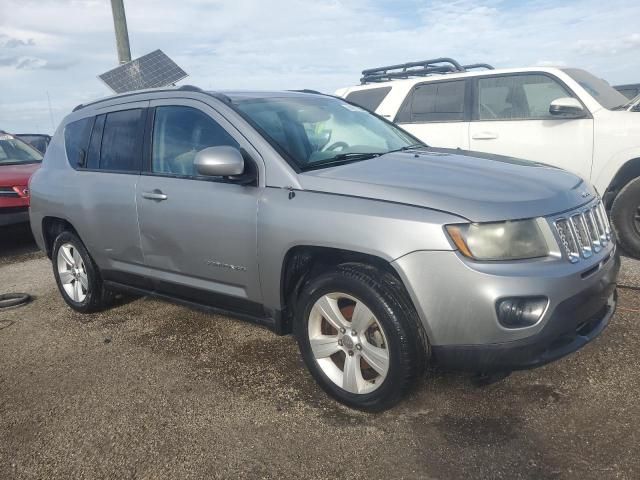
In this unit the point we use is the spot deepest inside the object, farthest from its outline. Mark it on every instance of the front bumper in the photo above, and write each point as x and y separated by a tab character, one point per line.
456	302
13	215
575	323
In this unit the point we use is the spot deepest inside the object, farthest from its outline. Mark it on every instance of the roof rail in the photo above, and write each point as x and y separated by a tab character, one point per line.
418	69
473	66
307	90
183	88
189	88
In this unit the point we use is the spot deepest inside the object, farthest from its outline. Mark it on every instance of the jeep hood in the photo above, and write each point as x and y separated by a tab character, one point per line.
479	187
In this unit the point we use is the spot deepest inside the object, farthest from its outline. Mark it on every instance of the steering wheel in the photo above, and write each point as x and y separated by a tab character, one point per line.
336	145
486	110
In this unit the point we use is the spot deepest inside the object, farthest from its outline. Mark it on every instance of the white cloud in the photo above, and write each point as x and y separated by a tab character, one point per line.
551	63
296	43
9	42
608	46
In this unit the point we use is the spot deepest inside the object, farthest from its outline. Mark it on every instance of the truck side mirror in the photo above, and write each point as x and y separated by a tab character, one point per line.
567	107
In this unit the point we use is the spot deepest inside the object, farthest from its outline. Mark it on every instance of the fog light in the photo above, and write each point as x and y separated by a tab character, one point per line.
520	312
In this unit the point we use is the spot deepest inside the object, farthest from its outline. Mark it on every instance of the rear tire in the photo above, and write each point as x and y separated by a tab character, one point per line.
625	218
77	276
386	356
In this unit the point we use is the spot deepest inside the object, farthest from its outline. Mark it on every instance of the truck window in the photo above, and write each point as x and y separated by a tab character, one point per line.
370	98
517	97
434	102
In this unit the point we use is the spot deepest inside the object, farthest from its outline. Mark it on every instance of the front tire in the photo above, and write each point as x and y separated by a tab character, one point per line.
625	218
77	275
360	336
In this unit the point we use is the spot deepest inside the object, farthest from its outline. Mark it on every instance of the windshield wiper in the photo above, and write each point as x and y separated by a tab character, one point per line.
409	147
342	158
347	157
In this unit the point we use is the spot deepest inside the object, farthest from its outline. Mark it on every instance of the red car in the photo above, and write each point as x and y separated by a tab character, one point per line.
18	161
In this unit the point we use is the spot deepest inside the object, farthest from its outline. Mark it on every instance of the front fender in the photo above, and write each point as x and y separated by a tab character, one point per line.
610	168
381	229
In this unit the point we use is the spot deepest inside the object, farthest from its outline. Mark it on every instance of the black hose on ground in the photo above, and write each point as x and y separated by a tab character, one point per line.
14	299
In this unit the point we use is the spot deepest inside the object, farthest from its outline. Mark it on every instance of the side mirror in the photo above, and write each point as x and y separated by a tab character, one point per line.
219	162
566	107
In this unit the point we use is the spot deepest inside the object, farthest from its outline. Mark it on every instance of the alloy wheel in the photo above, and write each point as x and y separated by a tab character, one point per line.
348	343
72	272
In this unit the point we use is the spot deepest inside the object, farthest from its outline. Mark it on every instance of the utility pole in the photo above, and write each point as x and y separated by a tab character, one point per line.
53	123
122	34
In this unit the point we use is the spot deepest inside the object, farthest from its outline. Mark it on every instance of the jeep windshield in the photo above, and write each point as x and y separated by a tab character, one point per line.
605	94
316	132
14	151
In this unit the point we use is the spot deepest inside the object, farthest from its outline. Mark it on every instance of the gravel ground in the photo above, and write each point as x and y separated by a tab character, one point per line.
17	244
153	390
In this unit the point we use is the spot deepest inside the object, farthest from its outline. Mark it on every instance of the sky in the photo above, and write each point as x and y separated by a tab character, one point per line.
51	51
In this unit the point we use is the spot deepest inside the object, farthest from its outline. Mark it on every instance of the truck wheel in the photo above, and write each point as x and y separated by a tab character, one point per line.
625	218
77	275
360	336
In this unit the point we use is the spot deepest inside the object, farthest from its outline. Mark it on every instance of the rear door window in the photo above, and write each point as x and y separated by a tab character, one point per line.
95	142
370	98
76	141
435	102
121	149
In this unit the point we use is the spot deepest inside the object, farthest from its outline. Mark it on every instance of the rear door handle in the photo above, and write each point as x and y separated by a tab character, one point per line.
155	195
485	136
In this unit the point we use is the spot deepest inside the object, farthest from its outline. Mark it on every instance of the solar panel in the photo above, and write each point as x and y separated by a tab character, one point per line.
152	70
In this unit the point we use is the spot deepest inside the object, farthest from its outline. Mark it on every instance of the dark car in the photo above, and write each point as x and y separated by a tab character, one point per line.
18	161
39	141
630	91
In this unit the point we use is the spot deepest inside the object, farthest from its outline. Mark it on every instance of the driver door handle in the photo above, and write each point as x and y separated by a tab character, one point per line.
155	195
485	136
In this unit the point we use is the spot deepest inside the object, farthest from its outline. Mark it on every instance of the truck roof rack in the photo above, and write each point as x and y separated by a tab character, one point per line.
418	69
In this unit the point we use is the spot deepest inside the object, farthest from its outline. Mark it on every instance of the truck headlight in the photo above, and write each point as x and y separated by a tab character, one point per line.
511	240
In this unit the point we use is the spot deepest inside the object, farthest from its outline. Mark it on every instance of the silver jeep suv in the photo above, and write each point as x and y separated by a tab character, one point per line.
307	214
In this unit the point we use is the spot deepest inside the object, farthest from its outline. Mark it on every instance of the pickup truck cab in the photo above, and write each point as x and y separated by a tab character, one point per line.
565	117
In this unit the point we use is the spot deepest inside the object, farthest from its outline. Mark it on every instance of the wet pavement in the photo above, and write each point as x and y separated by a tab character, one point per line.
154	390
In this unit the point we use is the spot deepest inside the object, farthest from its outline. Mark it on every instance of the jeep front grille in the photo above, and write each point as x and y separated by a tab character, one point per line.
583	232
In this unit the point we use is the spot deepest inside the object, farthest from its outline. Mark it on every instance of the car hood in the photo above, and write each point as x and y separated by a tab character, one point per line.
13	175
479	187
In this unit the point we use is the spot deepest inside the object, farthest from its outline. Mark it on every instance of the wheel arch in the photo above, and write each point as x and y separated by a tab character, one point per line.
51	228
627	172
301	262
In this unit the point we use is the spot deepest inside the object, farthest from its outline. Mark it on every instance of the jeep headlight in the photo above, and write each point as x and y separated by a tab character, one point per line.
511	240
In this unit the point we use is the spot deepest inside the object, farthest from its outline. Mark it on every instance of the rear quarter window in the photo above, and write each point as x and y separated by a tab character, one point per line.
370	98
76	141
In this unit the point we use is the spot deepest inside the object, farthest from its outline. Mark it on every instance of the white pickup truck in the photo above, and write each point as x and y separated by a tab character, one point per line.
564	117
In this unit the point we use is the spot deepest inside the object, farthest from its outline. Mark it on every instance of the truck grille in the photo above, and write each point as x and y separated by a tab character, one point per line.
583	232
8	192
